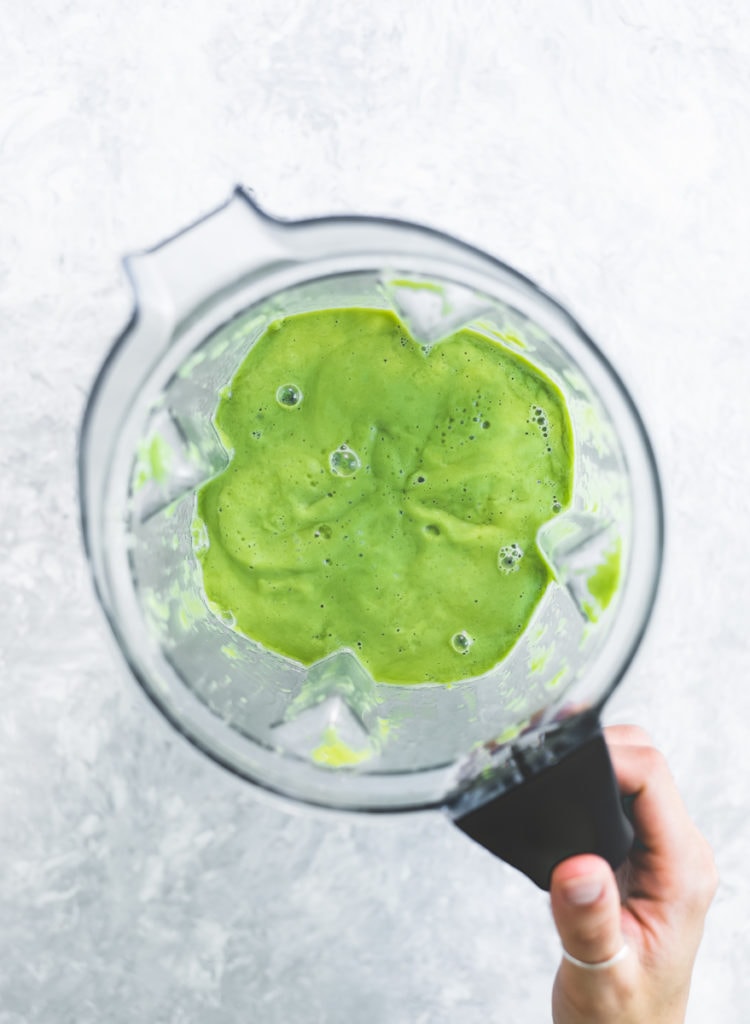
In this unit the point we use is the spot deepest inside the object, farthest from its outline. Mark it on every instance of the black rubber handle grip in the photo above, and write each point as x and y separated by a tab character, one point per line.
572	807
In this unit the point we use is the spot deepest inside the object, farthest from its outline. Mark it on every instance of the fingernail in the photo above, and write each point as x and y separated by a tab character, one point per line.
583	891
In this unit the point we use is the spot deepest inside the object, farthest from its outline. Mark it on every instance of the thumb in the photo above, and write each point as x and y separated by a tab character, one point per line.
586	909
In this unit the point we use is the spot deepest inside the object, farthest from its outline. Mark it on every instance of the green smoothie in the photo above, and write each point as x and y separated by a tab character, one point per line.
383	496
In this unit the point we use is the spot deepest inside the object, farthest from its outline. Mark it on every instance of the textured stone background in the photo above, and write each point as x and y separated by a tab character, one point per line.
604	149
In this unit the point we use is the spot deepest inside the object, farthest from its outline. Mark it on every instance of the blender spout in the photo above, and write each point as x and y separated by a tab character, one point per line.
231	245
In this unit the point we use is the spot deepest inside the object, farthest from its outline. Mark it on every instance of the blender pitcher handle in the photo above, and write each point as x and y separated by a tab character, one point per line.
568	808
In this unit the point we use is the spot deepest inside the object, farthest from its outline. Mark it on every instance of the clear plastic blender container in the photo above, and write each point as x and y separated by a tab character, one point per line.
148	443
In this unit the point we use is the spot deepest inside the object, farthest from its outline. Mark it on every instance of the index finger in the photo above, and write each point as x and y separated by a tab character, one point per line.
627	735
659	815
675	864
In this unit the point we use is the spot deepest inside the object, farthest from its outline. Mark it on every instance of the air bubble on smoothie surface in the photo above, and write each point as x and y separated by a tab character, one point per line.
344	461
539	416
288	396
509	557
461	642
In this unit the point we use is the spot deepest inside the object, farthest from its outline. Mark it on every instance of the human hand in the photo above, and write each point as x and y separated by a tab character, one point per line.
656	905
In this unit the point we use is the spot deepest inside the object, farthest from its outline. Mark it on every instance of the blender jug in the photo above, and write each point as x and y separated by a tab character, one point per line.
515	756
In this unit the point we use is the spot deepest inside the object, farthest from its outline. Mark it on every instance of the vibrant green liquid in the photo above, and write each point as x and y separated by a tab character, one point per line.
384	498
